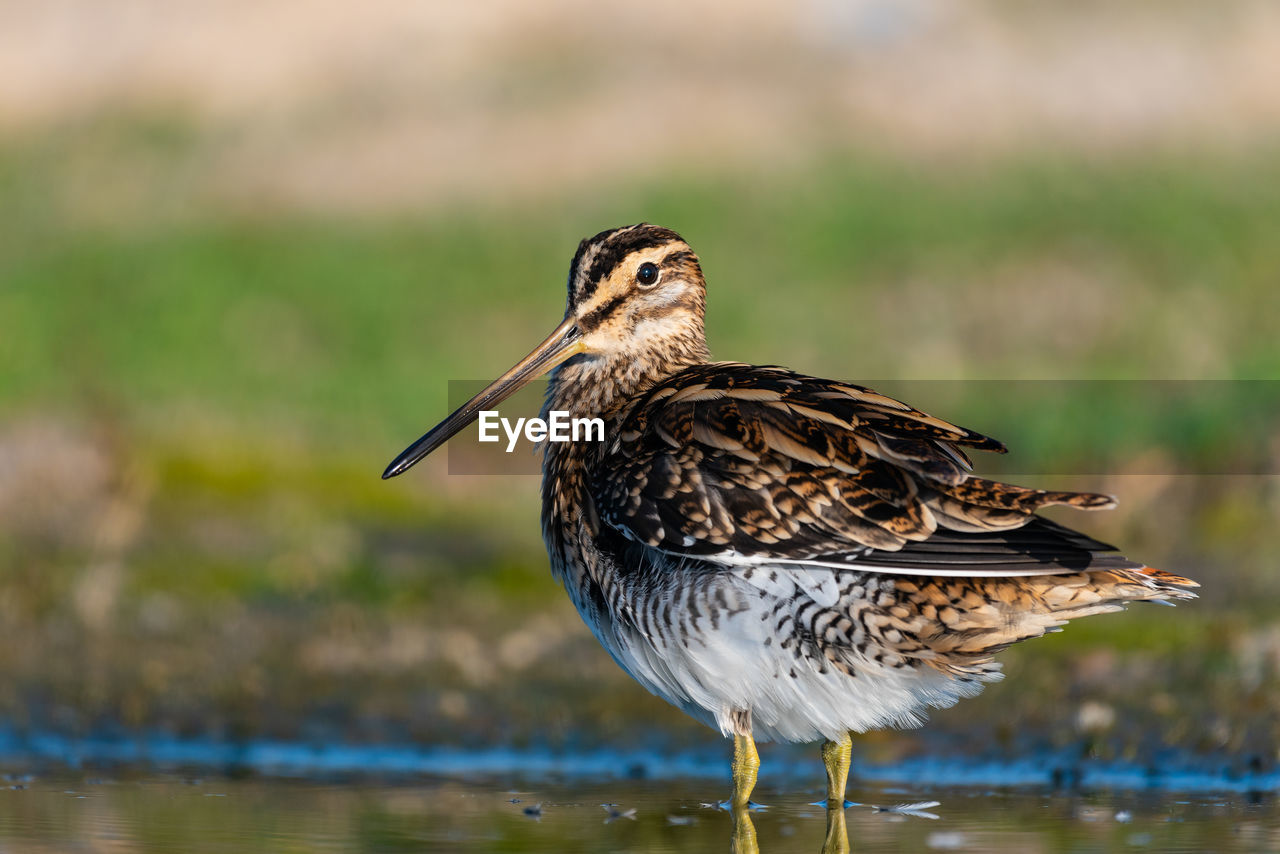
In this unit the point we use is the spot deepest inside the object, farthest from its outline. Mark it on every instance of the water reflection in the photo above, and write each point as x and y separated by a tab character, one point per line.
745	841
153	813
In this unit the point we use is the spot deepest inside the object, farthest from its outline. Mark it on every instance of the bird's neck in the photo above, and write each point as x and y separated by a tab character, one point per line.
595	387
587	387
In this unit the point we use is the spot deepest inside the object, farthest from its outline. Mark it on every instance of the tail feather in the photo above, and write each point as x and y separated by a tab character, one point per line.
962	623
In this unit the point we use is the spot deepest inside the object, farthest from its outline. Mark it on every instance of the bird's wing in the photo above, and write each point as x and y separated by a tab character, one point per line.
738	463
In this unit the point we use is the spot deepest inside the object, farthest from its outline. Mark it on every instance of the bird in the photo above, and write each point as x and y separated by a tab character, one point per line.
783	557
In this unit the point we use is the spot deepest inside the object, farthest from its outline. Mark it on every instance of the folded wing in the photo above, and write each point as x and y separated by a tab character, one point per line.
738	463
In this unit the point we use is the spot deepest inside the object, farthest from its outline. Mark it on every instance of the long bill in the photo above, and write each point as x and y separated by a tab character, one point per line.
563	343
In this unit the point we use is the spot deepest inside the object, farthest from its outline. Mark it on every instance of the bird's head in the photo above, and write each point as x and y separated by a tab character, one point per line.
636	304
636	293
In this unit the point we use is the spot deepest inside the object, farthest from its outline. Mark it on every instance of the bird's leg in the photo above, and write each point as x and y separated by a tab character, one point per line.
836	755
746	765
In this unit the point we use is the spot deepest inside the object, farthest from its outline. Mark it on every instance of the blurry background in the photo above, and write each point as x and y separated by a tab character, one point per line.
246	245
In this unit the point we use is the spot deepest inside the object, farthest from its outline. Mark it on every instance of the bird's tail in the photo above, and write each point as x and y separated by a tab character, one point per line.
977	618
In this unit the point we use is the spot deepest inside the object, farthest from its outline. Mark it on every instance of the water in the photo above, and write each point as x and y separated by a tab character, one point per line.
169	813
280	798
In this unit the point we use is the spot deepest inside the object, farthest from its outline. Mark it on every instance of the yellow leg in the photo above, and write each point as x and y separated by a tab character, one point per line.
746	765
836	755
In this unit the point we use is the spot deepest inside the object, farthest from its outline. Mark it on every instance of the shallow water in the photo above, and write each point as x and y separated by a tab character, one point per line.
165	813
554	811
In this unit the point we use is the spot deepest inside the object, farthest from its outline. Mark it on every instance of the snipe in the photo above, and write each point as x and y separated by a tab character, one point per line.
782	557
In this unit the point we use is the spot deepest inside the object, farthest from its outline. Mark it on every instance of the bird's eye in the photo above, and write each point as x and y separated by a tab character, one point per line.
647	275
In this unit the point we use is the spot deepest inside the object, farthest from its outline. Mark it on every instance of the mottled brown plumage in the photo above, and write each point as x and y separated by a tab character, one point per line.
763	462
781	555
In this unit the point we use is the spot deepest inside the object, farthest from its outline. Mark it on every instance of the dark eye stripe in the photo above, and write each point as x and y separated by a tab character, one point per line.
593	317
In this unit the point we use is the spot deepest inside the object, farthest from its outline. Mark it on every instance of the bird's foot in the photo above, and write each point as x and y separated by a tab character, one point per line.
730	806
827	804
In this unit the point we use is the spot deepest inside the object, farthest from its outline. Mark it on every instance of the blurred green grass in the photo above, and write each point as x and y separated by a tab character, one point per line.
338	325
245	375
